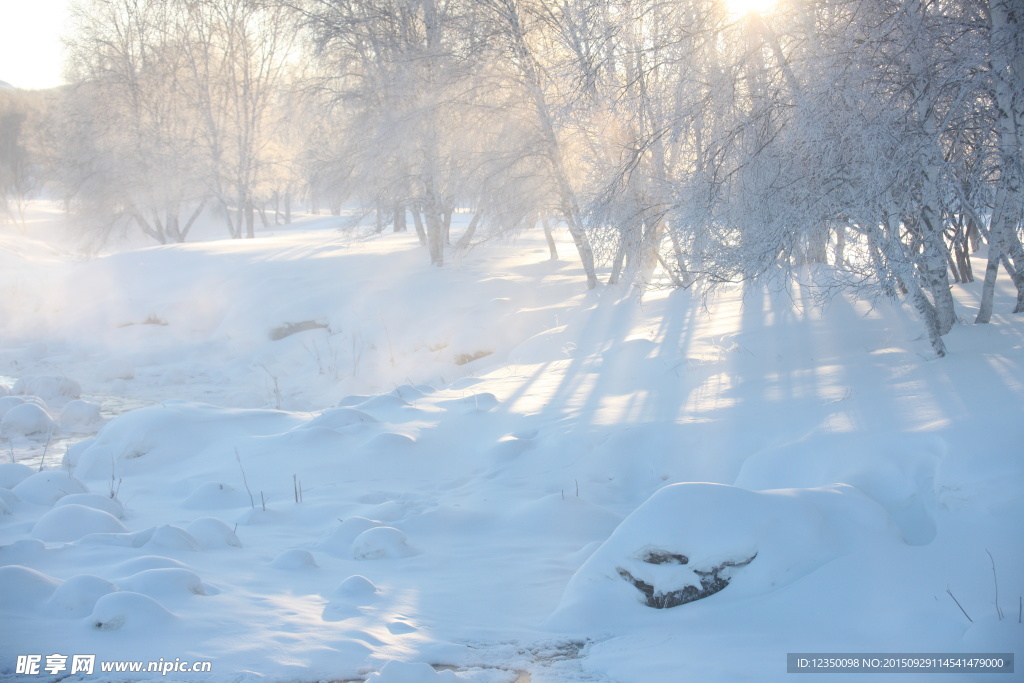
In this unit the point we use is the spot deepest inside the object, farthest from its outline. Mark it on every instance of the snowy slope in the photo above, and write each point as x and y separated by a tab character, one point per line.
343	464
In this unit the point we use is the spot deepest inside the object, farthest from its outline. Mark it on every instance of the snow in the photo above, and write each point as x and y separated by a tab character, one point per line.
80	416
358	500
27	419
71	522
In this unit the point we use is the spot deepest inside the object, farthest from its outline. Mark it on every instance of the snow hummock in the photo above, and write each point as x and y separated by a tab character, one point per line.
26	419
66	523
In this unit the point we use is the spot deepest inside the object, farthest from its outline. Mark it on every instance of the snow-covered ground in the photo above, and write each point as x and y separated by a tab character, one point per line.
311	456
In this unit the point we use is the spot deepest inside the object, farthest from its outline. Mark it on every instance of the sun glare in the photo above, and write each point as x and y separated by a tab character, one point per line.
742	8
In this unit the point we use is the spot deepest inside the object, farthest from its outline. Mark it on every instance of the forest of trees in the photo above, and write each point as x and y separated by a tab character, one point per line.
875	143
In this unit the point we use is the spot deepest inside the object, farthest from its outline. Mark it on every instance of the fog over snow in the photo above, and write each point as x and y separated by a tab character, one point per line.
312	456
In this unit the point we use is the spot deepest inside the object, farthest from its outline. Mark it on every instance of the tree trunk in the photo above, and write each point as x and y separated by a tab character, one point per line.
399	219
250	218
417	220
552	248
467	236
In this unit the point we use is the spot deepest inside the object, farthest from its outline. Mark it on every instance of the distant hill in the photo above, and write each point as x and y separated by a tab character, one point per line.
5	84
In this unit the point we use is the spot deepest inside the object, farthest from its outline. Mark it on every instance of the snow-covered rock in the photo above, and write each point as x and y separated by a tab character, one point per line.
693	541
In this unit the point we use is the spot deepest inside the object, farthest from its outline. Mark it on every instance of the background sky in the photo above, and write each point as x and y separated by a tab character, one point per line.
30	50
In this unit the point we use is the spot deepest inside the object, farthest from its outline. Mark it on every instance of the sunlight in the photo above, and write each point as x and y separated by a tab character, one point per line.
743	8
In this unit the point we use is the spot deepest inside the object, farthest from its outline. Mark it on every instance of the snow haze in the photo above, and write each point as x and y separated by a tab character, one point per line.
31	55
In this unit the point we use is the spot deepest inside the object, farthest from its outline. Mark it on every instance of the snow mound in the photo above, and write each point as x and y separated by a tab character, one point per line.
338	541
13	473
691	541
896	470
212	533
172	537
381	542
27	419
164	583
95	501
389	442
140	564
356	589
8	402
166	436
24	589
47	487
77	596
67	523
294	558
48	388
125	609
80	416
5	509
